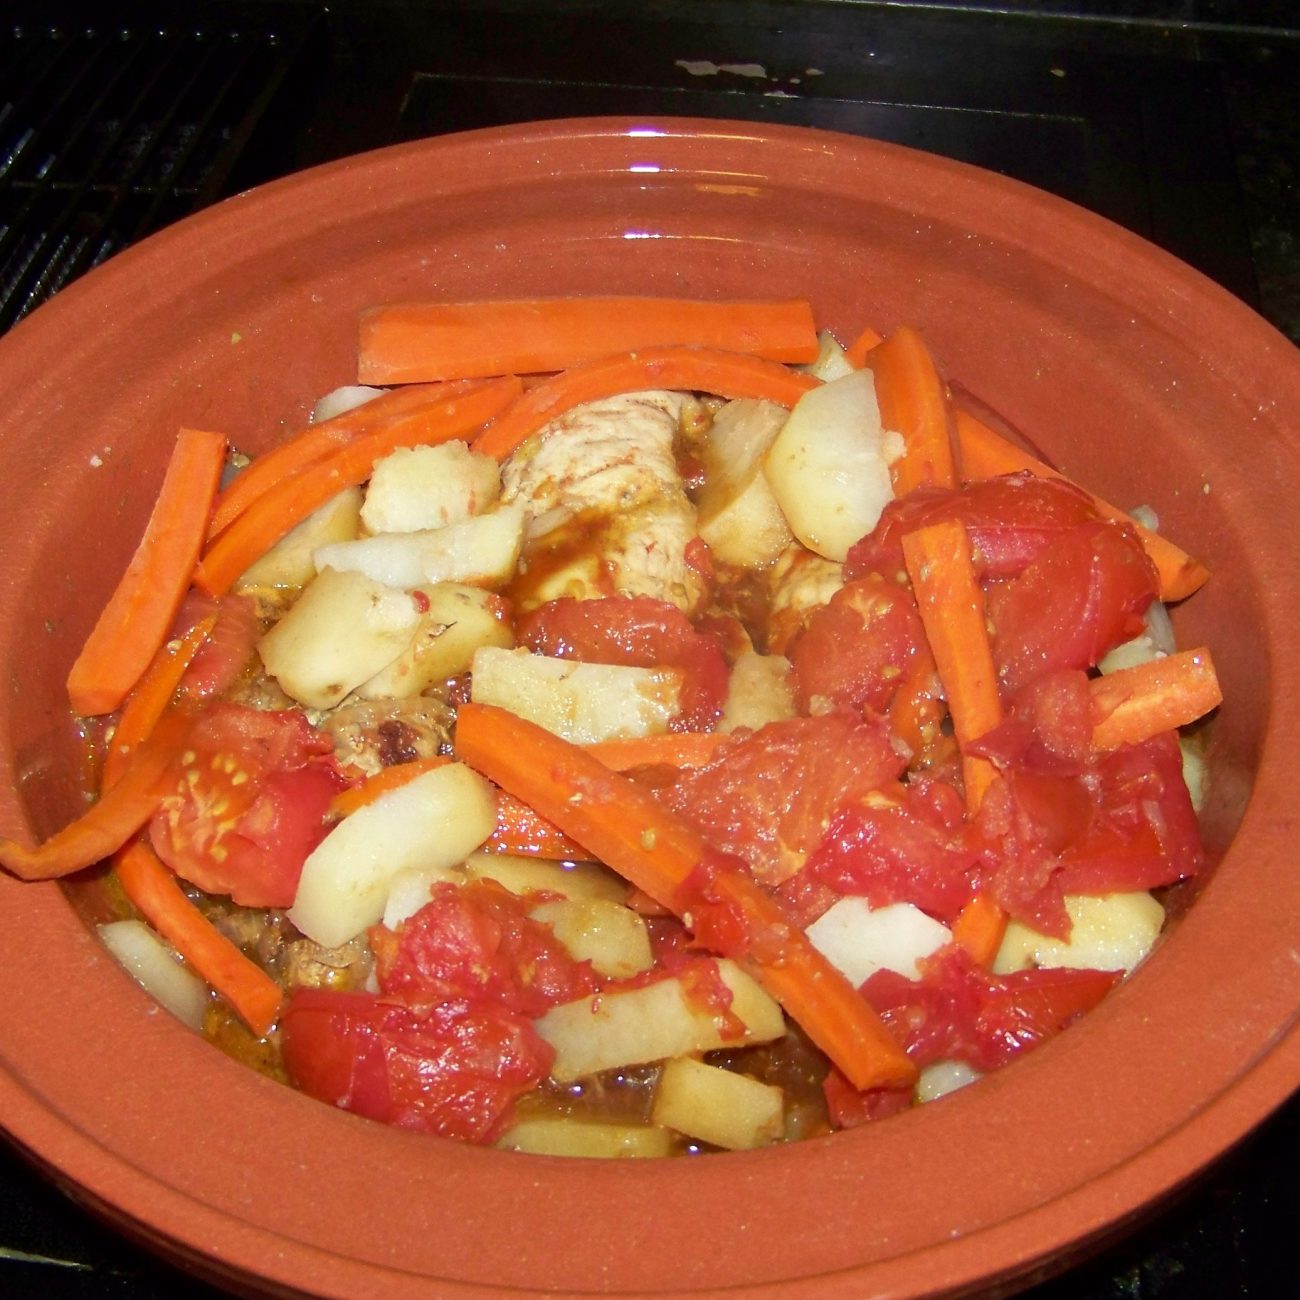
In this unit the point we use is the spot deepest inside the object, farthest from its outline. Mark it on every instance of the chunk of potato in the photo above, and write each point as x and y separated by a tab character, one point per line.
1110	932
340	632
829	465
653	1023
613	938
858	939
410	889
482	551
289	562
831	362
718	1106
433	821
563	1136
581	702
458	621
418	488
524	875
739	517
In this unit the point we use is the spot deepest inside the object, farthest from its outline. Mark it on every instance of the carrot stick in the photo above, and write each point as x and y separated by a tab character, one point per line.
386	779
673	749
314	443
520	830
120	811
289	502
625	827
413	342
857	351
706	370
986	454
951	604
153	693
254	995
914	402
1134	704
980	928
144	604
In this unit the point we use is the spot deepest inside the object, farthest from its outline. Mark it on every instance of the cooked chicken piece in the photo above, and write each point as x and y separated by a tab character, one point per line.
606	511
374	734
306	965
270	940
800	583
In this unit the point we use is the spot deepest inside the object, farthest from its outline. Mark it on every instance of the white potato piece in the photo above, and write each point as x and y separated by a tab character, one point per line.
419	488
563	1136
943	1077
613	938
859	940
738	515
831	362
340	400
576	881
433	821
153	965
829	465
1110	932
340	632
522	875
583	703
412	887
758	692
653	1023
483	551
717	1106
289	562
458	621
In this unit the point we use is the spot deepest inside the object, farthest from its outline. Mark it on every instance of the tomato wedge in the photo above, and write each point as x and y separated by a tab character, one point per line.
249	803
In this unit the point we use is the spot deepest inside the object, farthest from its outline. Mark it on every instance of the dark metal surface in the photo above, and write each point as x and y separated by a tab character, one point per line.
1178	120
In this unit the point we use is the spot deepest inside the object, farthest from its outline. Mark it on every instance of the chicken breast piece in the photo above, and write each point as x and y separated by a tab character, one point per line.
605	509
800	583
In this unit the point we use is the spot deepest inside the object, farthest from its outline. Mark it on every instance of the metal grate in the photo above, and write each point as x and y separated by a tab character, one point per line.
109	134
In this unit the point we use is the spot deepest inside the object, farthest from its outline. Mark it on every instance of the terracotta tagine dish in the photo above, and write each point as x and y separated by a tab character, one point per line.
1125	369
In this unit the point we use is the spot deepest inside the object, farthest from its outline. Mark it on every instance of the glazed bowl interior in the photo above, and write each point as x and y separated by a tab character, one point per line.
1130	371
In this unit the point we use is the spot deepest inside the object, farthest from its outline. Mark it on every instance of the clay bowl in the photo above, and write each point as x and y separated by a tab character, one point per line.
1137	375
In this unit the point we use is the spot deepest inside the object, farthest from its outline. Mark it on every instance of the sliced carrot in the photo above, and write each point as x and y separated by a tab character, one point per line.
521	830
253	994
986	454
673	749
624	826
857	351
980	928
417	341
274	513
914	403
120	811
951	604
1133	704
143	606
153	693
386	779
705	370
313	444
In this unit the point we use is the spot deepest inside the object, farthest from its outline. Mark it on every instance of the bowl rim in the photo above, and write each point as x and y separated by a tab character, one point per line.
217	1239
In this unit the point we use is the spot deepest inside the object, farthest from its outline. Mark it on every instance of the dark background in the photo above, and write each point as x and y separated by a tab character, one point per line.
1177	120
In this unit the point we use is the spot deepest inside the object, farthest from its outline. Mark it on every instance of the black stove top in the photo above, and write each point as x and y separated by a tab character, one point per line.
1175	119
